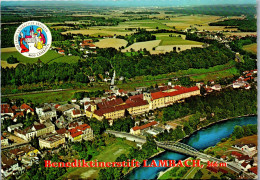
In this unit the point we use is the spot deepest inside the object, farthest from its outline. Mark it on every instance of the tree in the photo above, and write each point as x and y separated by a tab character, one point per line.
12	60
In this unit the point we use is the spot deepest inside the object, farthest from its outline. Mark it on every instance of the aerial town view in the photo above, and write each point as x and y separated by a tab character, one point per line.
129	89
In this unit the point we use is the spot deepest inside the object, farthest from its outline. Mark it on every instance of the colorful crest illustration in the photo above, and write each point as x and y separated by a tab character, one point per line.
32	39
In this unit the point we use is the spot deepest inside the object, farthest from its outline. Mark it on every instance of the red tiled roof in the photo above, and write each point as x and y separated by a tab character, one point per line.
223	171
237	154
73	124
180	90
73	130
139	96
244	158
249	74
111	103
88	109
61	51
2	138
26	107
38	127
82	127
213	169
102	111
18	114
244	164
5	108
61	131
76	112
253	170
76	134
144	126
14	107
87	41
56	106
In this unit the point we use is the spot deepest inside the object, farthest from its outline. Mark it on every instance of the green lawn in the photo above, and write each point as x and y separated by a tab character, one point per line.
109	154
177	40
50	57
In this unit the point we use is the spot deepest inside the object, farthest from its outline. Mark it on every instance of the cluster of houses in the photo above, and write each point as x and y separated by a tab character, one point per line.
57	125
243	81
85	44
219	36
14	112
209	88
246	157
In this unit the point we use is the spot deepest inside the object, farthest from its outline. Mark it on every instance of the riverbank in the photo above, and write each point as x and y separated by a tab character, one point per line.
205	138
200	128
156	154
169	169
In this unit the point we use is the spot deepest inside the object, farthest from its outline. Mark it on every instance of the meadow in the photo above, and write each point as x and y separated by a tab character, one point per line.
149	45
251	48
111	42
177	39
50	57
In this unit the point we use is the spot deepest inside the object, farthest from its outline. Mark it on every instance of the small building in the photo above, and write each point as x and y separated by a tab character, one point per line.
27	108
52	141
245	166
216	87
61	52
137	130
9	166
4	141
15	126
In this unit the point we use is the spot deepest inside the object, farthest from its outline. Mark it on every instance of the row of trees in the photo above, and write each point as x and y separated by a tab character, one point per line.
140	36
245	25
243	131
215	106
126	66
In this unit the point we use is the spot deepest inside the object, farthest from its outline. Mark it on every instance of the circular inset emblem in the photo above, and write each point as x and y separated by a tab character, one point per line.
32	39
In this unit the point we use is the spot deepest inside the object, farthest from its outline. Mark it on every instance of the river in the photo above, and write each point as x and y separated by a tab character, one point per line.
202	139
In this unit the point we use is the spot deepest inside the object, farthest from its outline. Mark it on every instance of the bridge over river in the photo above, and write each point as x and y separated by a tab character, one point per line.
181	148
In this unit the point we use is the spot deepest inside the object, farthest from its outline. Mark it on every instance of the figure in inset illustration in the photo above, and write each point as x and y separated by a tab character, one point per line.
23	44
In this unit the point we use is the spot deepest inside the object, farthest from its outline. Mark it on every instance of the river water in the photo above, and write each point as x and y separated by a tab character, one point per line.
202	139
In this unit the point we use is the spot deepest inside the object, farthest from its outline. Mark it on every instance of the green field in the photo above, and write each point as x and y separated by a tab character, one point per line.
50	57
149	24
251	48
216	75
109	154
178	40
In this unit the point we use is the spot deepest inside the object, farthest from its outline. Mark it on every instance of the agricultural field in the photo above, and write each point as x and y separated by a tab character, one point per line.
148	24
5	64
111	42
9	49
183	22
168	48
149	45
99	32
50	57
166	40
242	34
251	48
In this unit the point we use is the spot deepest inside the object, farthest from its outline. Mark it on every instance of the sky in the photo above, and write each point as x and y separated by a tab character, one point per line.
143	3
